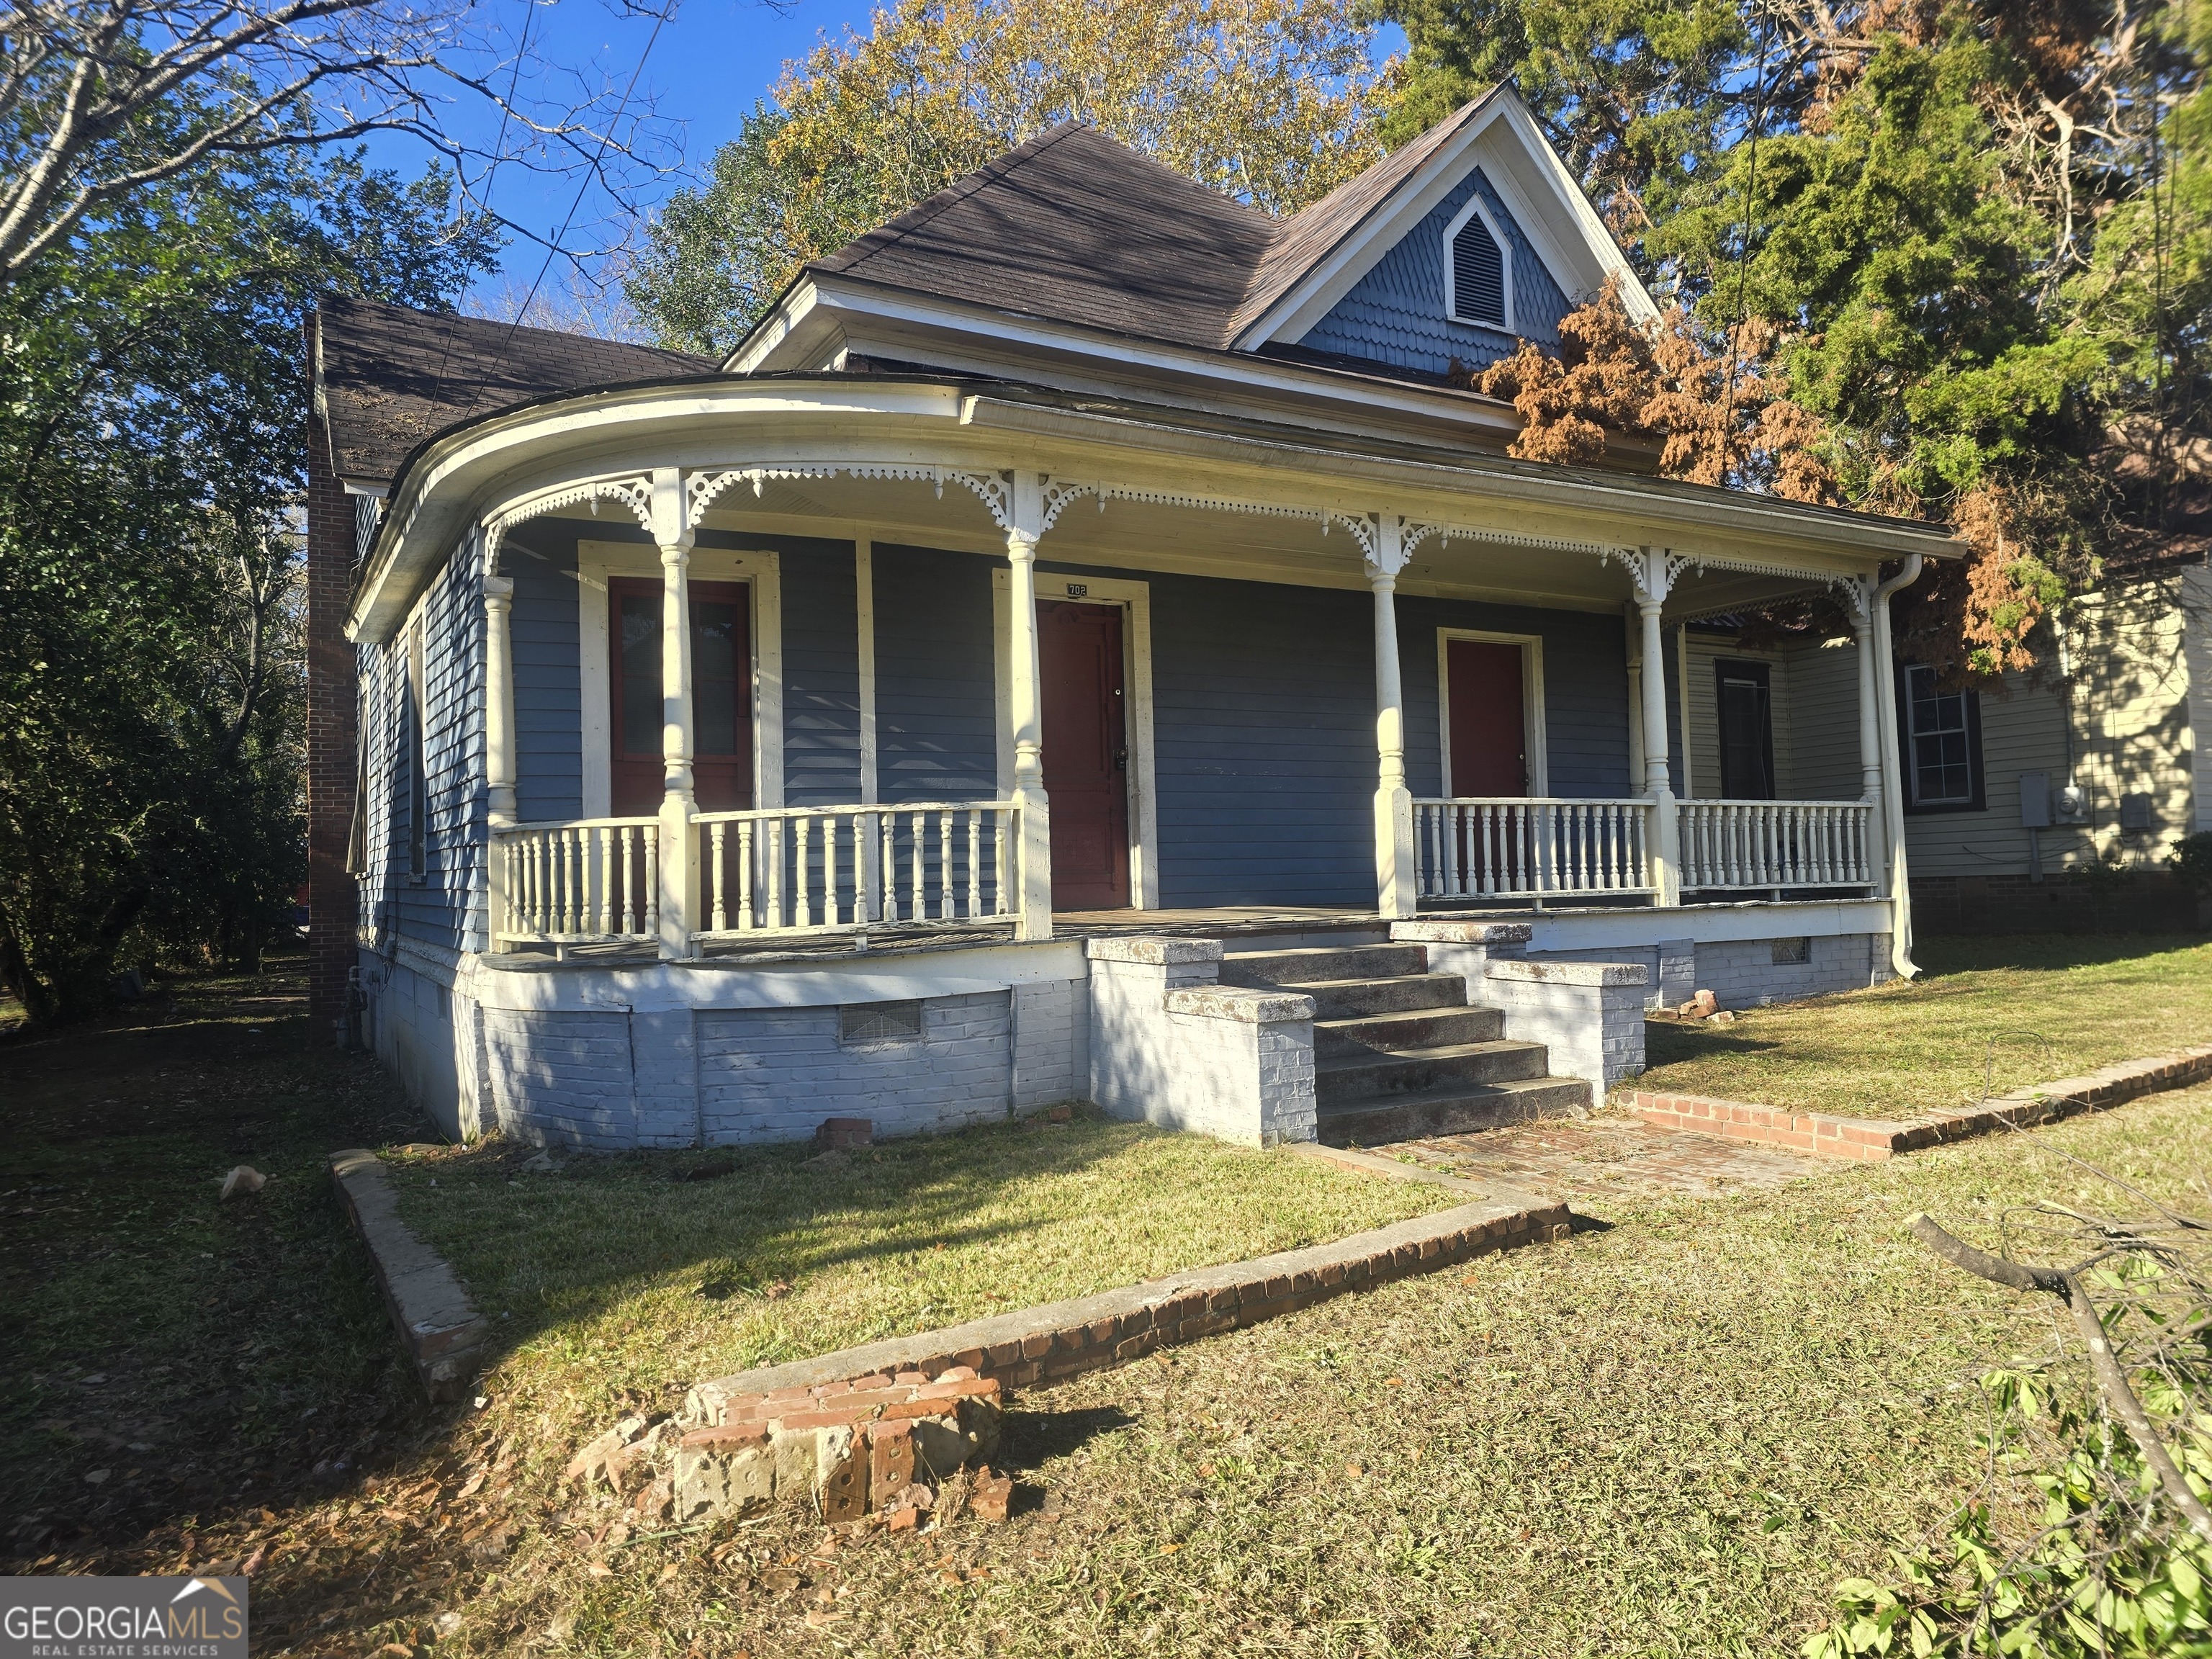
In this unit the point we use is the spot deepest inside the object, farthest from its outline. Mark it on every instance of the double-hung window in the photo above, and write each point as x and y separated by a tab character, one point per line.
1940	736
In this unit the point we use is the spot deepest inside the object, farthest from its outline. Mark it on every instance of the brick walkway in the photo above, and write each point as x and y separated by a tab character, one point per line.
1602	1156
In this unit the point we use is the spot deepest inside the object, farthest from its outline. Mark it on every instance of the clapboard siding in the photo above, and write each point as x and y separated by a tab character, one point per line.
440	906
1823	761
1395	314
1263	731
821	672
2132	735
548	739
936	737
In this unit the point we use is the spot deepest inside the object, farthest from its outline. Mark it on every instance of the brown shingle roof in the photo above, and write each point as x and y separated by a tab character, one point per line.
1078	228
391	376
1075	227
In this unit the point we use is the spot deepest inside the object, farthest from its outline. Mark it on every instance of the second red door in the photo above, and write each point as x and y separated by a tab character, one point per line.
1489	718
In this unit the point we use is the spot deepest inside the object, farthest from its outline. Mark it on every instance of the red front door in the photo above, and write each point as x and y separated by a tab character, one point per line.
722	696
1489	718
1086	756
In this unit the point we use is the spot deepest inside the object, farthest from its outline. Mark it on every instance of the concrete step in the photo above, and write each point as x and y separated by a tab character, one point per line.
1365	1078
1451	1111
1305	967
1367	1034
1349	998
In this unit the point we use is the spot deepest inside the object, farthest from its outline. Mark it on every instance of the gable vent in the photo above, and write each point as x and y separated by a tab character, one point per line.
1477	275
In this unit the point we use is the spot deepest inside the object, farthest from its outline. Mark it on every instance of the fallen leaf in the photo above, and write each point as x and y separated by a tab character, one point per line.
1355	1470
1393	1381
778	1291
1169	1549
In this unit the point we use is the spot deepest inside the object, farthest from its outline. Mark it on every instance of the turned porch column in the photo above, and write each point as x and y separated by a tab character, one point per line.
1652	581
1025	710
1397	874
1860	594
679	853
499	742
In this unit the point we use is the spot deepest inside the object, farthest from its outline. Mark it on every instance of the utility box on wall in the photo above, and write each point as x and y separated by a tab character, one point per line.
2035	800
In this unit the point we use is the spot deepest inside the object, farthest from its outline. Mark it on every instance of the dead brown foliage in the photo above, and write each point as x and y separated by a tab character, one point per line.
1719	417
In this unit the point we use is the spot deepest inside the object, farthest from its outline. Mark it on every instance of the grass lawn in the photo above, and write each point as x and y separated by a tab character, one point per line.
1670	1434
616	1279
2013	1010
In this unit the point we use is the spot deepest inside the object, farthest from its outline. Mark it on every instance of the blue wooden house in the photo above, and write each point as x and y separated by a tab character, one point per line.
1087	642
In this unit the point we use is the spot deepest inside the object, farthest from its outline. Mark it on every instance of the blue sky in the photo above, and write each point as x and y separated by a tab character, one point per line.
706	68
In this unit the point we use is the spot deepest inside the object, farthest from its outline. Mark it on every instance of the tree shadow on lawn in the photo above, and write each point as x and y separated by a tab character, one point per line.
199	1358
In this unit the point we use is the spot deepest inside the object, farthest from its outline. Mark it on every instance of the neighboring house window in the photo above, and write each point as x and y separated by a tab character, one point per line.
1943	743
1479	286
418	770
1747	715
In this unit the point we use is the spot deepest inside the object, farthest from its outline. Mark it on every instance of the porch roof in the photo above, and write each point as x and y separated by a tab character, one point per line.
1283	485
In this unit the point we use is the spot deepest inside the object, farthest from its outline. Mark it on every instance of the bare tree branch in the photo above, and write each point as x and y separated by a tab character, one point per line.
2112	1382
100	98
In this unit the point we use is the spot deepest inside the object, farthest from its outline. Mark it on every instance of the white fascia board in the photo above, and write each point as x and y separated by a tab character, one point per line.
794	328
1004	346
624	431
1516	160
1522	500
379	490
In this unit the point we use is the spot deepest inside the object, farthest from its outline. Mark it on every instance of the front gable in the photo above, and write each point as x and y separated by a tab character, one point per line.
1482	197
1408	312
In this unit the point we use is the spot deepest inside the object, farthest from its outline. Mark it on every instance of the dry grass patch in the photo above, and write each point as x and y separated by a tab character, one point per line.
1993	1012
618	1276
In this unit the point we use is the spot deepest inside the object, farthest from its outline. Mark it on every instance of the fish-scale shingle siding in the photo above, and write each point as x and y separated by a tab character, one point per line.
1395	316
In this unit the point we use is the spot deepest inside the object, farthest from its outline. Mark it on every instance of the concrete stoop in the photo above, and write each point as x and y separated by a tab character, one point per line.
1399	1054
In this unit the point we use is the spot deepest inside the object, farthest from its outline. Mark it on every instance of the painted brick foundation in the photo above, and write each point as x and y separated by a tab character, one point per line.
1864	1139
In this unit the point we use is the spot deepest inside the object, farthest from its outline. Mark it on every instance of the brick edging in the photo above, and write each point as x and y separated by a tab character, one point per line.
1060	1339
438	1324
1862	1139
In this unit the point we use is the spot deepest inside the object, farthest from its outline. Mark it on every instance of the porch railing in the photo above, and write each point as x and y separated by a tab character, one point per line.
1472	848
824	869
1776	844
589	882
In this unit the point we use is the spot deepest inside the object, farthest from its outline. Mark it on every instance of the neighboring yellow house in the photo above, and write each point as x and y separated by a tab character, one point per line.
2018	801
